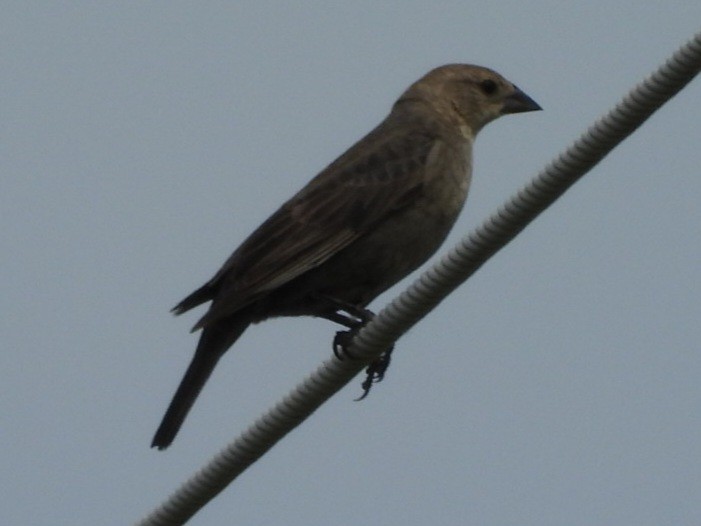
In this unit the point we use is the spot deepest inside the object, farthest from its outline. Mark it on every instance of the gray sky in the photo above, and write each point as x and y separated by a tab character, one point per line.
141	142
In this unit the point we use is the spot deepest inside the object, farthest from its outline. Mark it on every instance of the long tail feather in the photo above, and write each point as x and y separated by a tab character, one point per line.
212	345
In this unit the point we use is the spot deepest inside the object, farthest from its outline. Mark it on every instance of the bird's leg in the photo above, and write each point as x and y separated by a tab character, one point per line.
343	339
341	319
357	313
354	318
359	317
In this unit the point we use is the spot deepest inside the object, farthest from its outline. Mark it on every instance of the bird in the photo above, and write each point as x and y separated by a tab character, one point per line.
363	223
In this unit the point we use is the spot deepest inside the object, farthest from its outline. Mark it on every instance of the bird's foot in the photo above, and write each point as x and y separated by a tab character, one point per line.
375	372
355	319
341	343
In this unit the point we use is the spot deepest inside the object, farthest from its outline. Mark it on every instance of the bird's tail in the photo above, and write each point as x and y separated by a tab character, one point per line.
213	344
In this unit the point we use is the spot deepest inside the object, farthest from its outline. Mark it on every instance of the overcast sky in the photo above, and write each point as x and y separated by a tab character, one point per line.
142	142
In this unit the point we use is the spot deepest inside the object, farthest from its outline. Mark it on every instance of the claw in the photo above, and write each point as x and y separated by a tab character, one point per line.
375	373
341	343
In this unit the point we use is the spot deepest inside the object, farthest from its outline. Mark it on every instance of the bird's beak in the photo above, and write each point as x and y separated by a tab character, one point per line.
518	102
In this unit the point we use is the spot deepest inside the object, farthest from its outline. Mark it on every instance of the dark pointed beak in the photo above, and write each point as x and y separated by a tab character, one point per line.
519	102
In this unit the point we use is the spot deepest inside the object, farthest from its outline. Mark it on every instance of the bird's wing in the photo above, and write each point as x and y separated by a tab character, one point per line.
375	178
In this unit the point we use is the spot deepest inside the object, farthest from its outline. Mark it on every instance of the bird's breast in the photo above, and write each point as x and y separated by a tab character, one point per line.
447	179
409	237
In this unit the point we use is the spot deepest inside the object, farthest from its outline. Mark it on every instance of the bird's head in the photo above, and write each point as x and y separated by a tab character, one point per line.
469	96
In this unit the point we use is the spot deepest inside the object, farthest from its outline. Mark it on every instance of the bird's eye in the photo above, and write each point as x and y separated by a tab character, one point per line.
489	87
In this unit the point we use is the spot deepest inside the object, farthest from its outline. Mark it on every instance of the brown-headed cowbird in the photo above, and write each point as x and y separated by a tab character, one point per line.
366	221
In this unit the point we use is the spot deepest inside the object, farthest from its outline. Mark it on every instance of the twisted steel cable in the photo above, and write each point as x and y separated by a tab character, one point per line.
434	284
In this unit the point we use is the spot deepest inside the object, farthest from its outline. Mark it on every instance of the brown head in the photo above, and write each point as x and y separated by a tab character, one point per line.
467	95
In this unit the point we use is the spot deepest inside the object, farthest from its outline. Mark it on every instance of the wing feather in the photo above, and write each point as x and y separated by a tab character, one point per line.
376	177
